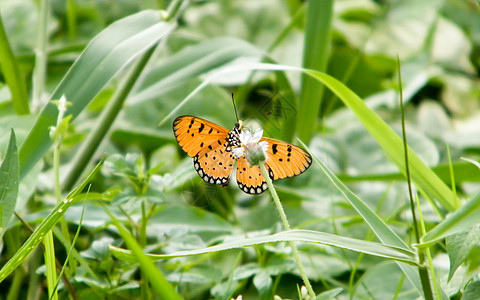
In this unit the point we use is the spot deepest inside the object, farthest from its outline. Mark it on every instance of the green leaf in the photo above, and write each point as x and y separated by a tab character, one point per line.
8	183
472	291
467	216
459	247
262	282
37	236
105	56
309	236
330	294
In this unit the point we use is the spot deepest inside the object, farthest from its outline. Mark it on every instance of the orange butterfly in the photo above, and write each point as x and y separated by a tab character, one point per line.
214	150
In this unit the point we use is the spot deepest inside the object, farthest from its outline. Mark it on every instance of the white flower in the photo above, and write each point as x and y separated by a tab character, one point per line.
250	146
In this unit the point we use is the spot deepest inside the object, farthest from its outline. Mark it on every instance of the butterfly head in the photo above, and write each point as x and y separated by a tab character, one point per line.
239	125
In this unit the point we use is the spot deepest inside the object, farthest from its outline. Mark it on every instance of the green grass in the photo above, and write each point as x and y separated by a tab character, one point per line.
120	209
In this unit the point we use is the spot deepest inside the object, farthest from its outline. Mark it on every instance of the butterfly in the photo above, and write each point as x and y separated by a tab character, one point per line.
213	150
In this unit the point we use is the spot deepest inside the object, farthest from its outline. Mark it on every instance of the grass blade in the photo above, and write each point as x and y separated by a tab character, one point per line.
464	218
8	183
308	236
315	56
13	75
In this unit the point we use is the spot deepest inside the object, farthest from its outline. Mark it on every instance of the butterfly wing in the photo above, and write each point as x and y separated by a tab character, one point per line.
206	143
250	178
286	160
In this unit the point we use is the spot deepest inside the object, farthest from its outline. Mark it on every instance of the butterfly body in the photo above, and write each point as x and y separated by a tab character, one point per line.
212	148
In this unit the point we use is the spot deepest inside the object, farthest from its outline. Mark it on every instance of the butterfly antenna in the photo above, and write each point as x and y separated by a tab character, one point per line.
235	107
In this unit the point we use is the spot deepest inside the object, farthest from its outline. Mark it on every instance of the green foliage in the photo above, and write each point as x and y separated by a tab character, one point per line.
151	228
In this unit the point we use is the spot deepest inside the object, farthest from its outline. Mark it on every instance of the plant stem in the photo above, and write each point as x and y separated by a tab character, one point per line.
40	69
283	217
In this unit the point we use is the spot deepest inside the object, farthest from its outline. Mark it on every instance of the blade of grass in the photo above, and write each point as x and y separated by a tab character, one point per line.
51	272
71	10
159	283
9	176
72	246
45	226
105	56
422	270
13	75
465	217
315	56
295	235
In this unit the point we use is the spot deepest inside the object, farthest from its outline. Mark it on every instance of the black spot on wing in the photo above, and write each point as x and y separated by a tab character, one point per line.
274	148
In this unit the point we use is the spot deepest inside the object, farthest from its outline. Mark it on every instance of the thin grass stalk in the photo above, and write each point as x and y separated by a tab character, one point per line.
50	265
71	10
143	242
407	165
109	114
422	270
34	262
315	57
286	225
58	138
77	233
427	252
40	69
455	201
13	75
11	241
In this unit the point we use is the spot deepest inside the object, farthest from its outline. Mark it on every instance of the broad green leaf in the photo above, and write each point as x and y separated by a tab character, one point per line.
459	247
164	289
467	216
472	291
105	56
8	183
309	236
45	226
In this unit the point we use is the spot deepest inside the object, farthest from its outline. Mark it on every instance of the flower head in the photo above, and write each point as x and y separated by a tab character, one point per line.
255	151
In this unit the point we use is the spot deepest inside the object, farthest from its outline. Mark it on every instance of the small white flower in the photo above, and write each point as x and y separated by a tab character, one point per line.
250	146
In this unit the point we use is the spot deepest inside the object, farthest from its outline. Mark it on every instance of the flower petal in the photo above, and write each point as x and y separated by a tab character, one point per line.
257	135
